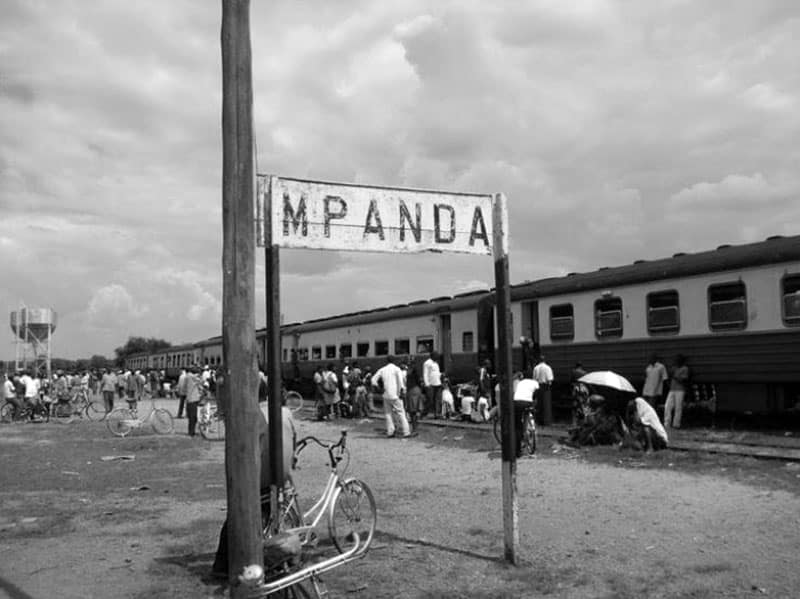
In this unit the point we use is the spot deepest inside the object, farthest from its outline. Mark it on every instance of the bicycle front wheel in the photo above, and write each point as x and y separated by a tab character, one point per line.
353	511
529	436
119	421
294	401
161	420
95	410
7	413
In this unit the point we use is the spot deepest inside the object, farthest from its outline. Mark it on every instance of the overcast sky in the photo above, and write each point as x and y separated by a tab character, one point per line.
618	131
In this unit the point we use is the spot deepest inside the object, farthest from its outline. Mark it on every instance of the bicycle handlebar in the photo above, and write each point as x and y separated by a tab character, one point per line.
302	443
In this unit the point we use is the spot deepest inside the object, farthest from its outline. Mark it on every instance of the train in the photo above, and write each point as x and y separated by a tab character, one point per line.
733	312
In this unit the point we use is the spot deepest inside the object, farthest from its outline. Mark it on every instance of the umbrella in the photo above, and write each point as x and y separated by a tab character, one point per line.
606	378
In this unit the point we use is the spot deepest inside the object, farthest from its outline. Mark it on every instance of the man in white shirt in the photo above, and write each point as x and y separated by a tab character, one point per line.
432	381
655	375
543	374
391	377
9	394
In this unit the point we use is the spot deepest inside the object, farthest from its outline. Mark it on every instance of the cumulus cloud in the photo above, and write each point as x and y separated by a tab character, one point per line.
616	130
112	305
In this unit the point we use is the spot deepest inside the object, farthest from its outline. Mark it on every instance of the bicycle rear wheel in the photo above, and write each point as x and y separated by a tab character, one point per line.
528	436
119	421
214	428
497	430
161	420
353	511
294	401
95	410
63	413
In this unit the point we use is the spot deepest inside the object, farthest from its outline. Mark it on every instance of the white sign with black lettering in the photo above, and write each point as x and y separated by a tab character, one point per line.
335	216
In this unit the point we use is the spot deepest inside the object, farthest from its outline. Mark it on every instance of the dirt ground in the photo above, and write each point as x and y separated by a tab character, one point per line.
594	523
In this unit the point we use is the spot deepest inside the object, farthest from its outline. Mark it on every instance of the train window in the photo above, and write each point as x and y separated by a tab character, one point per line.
346	350
381	348
402	347
562	322
302	353
330	351
727	306
424	344
362	349
285	355
316	352
467	341
608	317
791	300
663	312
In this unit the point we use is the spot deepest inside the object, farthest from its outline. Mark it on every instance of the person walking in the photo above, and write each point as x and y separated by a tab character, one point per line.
432	380
194	392
390	377
181	391
414	402
330	391
543	374
679	382
655	375
108	385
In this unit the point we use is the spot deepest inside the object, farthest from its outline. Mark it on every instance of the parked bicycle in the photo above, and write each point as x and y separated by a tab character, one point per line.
351	514
78	404
122	421
38	412
528	442
211	421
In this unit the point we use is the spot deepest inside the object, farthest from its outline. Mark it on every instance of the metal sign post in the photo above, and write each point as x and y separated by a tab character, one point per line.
503	307
296	213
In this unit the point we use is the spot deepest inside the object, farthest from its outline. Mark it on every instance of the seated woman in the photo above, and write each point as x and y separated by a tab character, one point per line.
646	428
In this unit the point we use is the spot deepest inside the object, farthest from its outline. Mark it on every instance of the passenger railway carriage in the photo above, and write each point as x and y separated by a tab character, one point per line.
734	312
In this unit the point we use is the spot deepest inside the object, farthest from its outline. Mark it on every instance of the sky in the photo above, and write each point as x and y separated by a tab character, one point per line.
618	131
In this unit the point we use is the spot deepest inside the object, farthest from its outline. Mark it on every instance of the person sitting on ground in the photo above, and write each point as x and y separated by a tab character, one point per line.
645	427
466	396
481	413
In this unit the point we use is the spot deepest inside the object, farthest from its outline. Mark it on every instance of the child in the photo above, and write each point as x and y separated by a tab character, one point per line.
448	405
466	394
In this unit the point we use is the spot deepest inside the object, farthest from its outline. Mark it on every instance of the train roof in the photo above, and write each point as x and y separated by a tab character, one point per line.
774	250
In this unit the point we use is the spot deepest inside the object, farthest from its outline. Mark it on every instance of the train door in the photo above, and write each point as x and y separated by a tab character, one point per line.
529	328
486	329
446	341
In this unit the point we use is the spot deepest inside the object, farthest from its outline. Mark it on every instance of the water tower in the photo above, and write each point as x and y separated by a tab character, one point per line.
33	331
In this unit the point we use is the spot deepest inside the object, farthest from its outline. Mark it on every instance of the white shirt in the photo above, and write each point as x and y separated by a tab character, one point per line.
524	390
392	378
30	385
8	389
431	375
543	373
648	417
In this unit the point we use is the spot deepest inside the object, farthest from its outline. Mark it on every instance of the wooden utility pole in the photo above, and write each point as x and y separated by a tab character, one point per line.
242	457
503	307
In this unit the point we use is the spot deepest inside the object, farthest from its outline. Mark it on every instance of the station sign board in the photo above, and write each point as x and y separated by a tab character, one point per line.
336	216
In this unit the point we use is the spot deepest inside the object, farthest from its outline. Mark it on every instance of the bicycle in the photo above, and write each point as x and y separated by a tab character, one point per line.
211	421
38	412
122	421
78	404
343	501
292	400
528	441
